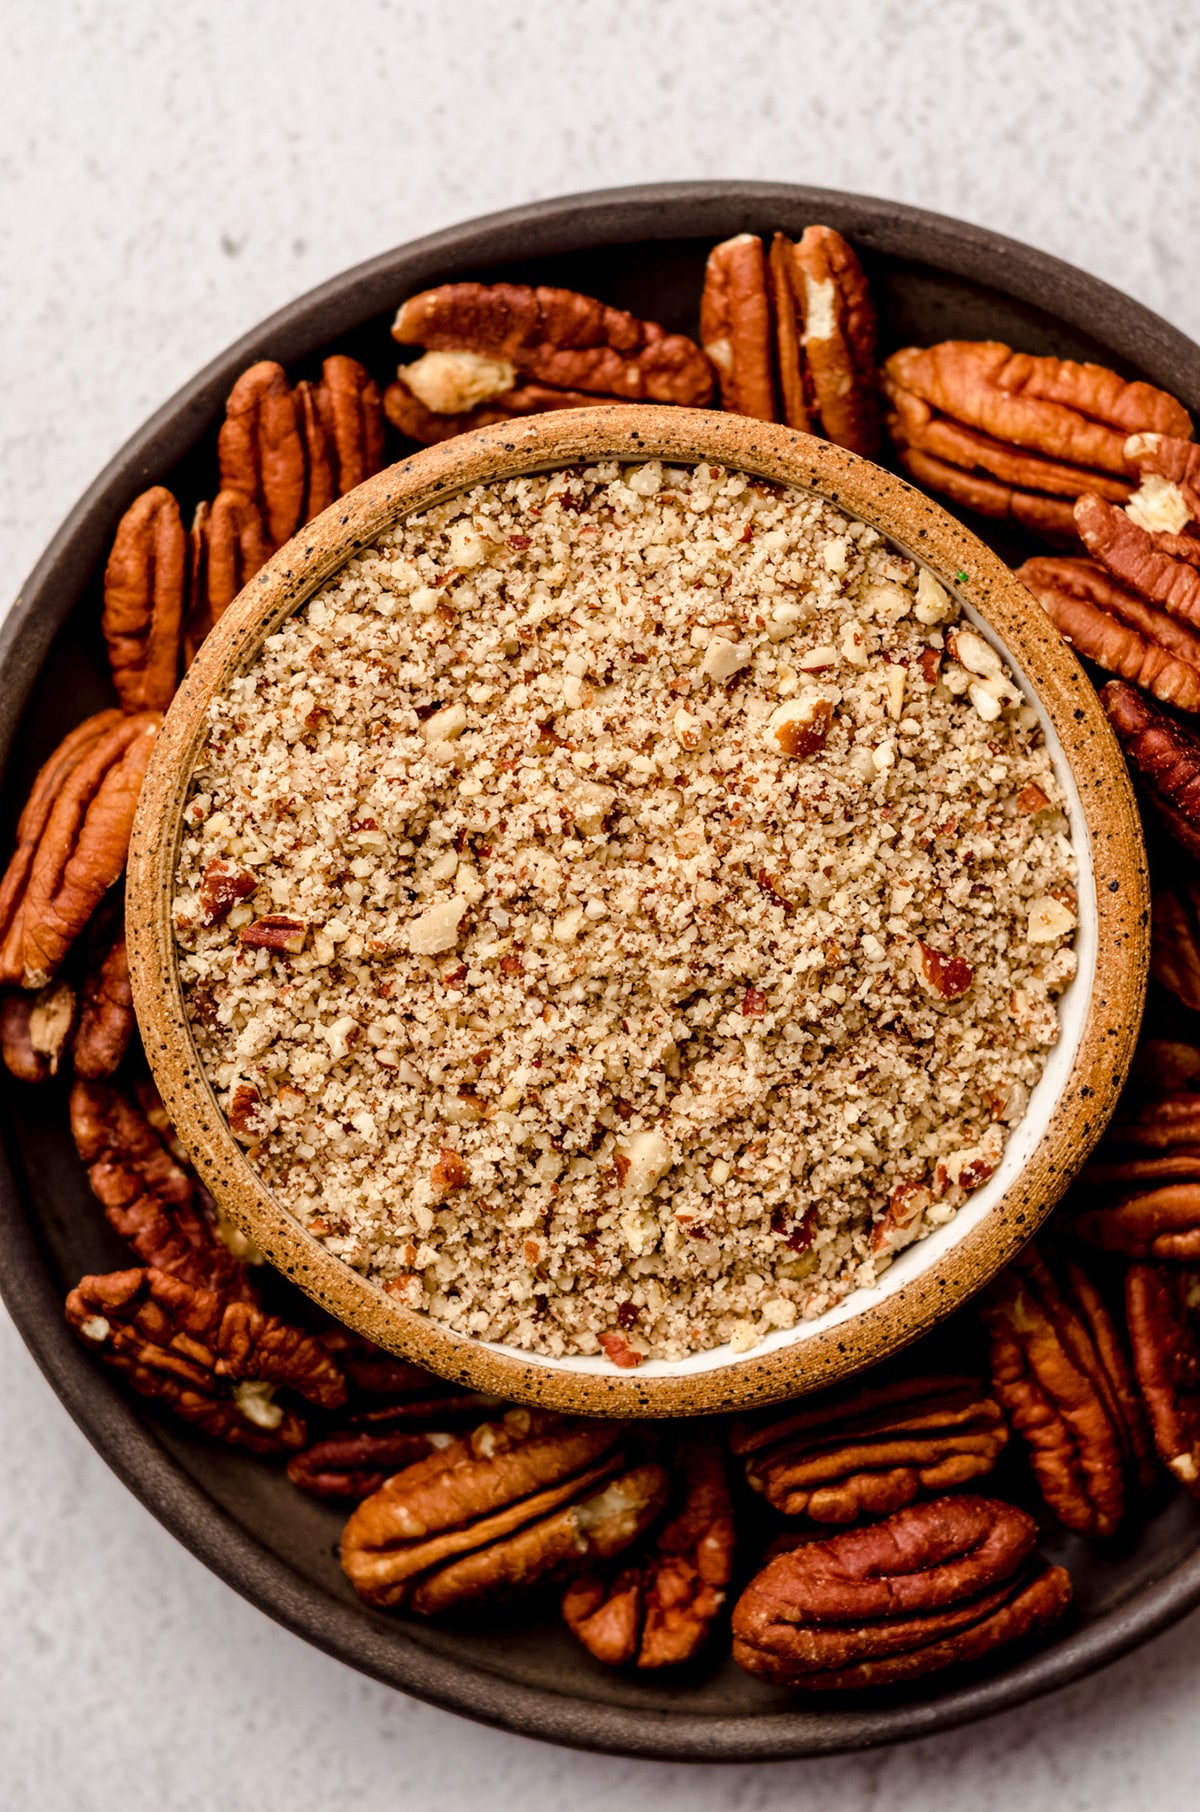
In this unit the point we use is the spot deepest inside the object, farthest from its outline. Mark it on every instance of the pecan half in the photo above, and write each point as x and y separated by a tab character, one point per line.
145	587
1116	629
213	1362
1164	1065
735	326
1175	943
1159	568
1161	1307
518	1501
418	422
872	1450
937	1585
227	548
346	1467
36	1029
148	1196
561	338
106	1019
659	1611
1165	1123
1165	756
1155	1223
260	450
838	339
81	850
1174	462
1059	1371
351	414
320	481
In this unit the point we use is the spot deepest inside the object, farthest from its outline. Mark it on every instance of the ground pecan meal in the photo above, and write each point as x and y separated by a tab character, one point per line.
624	908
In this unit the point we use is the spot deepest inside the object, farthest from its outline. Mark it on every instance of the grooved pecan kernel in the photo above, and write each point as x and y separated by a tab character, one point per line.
351	414
145	588
36	1029
353	1464
1165	1123
787	310
320	481
1086	579
213	1362
658	1611
260	450
937	1584
1164	1065
515	1501
870	1451
838	339
227	548
148	1197
1155	1223
561	338
416	421
915	423
1164	754
1161	1305
106	1019
51	778
1175	947
82	849
1117	630
735	326
1138	559
1053	517
1059	1372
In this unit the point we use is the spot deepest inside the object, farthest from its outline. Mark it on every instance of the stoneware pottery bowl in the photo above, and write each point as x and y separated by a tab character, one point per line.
642	249
1067	1110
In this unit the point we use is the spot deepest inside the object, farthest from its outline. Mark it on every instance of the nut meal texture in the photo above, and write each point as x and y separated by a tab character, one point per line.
623	908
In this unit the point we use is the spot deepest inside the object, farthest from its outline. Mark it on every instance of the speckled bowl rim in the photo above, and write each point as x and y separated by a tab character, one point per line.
911	520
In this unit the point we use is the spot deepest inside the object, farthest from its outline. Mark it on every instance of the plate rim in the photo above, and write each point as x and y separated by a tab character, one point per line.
124	1438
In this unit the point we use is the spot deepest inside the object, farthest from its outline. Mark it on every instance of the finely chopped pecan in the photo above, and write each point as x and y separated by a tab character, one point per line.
1012	435
145	589
1116	629
523	1500
1164	754
36	1030
214	1362
1161	1304
793	336
870	1451
227	548
659	1610
1175	941
556	337
1059	1370
936	1585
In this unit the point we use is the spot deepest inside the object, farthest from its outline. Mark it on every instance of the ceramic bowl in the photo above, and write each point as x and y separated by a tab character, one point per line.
1099	1012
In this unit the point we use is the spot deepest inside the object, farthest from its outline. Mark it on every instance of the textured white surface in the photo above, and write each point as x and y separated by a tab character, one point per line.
172	173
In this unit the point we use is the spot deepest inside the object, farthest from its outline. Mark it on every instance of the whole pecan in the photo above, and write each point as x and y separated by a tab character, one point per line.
80	852
106	1019
872	1450
1013	435
148	1196
1165	756
659	1610
523	1500
1159	568
145	589
1175	941
558	337
1161	1305
261	452
36	1030
214	1362
1116	629
936	1585
1059	1371
227	548
793	335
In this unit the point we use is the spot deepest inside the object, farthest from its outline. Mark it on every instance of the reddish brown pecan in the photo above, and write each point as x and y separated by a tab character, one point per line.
1116	629
148	1196
938	1584
1164	1065
838	339
1165	1123
1059	1371
1165	756
106	1019
526	1499
352	416
320	480
735	326
1160	569
145	587
1173	460
1155	1223
51	778
81	850
946	975
223	885
346	1467
213	1362
1053	517
1161	1305
561	338
1175	945
261	452
275	932
36	1030
227	548
870	1451
659	1610
418	422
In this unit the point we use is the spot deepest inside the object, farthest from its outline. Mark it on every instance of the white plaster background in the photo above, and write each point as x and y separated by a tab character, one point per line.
168	175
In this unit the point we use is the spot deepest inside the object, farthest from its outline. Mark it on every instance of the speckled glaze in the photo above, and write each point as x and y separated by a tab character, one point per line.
1118	906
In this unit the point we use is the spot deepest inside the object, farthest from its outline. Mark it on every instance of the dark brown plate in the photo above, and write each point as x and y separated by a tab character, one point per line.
643	249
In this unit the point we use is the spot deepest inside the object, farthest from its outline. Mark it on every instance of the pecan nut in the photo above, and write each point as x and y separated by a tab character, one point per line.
1060	1372
213	1362
870	1451
106	1018
36	1030
408	413
735	327
1167	501
659	1610
1161	1305
1175	944
518	1501
1162	1222
556	337
938	1584
1116	629
351	415
1164	754
261	452
145	589
227	548
1160	568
